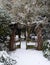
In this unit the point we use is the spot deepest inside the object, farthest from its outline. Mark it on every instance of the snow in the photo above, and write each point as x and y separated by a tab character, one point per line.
3	53
29	57
16	38
18	43
1	64
8	37
13	22
5	59
31	43
48	41
33	36
22	36
25	56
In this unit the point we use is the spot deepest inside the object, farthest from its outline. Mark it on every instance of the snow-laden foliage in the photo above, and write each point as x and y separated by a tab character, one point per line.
26	12
5	20
46	49
7	4
6	59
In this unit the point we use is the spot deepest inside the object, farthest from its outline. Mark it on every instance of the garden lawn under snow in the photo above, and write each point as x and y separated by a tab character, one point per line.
25	56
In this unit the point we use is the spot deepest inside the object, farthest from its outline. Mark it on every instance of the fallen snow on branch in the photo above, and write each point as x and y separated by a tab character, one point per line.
5	59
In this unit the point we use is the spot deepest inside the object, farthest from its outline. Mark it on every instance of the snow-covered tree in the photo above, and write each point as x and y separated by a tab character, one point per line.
26	10
5	20
5	59
46	49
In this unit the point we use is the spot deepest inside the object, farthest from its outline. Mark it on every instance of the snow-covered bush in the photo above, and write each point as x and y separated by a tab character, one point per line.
5	20
6	59
46	49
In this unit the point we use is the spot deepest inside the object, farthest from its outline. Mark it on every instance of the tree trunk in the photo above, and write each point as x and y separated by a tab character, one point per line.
39	40
12	41
28	31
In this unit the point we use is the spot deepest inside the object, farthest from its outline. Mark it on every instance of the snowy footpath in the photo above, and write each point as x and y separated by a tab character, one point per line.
29	57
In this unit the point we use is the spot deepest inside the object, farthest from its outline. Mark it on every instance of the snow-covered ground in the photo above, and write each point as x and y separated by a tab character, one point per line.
25	56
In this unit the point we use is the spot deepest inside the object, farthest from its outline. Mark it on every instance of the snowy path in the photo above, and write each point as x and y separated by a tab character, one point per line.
23	45
29	57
